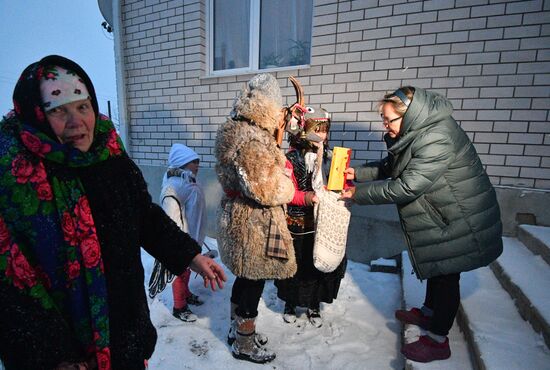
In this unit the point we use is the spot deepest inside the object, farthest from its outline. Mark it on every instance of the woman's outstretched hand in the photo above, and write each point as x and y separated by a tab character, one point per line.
348	193
211	272
350	173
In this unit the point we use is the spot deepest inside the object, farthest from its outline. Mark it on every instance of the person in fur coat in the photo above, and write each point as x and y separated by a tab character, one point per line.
253	237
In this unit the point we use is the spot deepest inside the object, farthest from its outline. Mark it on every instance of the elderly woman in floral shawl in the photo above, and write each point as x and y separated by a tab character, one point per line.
74	212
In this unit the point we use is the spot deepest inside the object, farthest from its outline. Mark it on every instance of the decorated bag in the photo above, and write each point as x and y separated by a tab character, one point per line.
332	217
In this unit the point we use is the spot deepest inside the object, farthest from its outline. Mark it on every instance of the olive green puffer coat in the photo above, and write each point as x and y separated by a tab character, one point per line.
447	205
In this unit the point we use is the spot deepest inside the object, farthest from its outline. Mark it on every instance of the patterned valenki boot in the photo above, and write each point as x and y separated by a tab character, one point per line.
245	347
259	338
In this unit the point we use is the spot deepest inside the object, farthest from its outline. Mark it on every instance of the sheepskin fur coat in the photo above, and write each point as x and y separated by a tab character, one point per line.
251	170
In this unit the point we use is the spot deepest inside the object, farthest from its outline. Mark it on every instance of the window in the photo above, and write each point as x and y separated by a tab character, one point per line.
250	35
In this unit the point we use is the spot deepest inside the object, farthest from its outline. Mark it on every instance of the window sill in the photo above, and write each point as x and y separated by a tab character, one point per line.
242	72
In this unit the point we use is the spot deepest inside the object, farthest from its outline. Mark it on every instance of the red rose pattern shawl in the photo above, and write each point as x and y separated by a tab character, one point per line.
49	248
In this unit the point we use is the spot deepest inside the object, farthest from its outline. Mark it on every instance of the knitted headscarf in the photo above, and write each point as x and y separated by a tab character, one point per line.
49	248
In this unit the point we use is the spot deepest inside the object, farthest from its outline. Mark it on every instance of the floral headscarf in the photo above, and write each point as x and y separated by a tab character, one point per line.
49	247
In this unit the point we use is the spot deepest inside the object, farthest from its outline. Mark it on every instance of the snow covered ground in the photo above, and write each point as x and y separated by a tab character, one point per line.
360	331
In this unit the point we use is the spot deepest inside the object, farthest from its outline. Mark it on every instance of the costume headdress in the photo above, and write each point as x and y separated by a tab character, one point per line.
297	110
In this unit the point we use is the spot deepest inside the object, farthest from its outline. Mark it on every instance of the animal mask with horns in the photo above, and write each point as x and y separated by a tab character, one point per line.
293	116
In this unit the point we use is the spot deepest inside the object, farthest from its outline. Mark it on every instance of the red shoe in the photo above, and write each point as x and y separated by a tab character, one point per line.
425	349
413	316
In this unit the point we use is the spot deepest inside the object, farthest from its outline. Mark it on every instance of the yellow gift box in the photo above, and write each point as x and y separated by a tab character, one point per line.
340	162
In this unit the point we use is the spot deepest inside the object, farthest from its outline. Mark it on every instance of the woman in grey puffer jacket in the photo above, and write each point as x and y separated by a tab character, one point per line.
447	206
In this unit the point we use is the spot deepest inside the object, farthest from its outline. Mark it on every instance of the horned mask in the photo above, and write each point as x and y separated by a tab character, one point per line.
293	116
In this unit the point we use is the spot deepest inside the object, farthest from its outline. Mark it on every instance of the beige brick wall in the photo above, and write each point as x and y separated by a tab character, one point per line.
490	58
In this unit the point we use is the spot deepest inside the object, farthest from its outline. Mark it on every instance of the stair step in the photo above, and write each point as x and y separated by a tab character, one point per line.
499	336
413	295
526	277
537	239
389	265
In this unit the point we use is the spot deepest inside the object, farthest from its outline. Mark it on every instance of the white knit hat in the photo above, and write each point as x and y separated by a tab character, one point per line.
180	155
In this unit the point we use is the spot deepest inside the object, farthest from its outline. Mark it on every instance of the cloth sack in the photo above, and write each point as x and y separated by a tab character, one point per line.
332	218
331	231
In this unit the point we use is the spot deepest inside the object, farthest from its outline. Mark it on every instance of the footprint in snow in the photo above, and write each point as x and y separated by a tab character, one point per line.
199	349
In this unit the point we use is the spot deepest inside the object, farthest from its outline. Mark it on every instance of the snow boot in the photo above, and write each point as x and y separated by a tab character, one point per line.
289	315
184	314
414	316
314	316
245	347
426	349
259	338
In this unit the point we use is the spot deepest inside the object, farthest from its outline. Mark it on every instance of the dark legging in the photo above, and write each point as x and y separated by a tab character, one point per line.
443	297
246	295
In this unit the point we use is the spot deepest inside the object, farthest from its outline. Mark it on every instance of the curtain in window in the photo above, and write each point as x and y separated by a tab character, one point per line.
285	33
231	34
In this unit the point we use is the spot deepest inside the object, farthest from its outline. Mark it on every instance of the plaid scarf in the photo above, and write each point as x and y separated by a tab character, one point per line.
275	245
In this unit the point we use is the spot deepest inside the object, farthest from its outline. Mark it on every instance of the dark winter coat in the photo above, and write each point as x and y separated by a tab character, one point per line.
126	219
447	205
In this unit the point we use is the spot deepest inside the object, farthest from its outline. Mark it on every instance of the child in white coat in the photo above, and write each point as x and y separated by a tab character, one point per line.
182	198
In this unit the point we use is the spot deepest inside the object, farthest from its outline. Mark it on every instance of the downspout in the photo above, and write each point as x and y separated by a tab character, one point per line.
120	75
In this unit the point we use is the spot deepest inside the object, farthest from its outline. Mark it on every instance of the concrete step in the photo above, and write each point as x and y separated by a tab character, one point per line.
537	239
390	265
499	337
492	334
526	277
413	296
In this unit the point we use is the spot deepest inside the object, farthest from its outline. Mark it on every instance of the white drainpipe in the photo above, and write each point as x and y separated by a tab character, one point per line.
120	75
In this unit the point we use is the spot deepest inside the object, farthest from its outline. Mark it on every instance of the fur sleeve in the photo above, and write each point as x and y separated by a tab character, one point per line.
261	173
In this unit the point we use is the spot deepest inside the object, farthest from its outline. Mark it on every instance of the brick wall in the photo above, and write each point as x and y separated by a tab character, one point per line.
491	58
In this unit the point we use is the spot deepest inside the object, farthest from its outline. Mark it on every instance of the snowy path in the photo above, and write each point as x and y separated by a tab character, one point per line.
360	331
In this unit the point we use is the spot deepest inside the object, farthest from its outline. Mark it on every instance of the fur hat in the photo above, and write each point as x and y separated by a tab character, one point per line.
180	155
260	102
267	85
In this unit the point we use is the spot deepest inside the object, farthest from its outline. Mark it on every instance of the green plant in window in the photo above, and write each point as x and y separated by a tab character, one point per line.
271	60
299	52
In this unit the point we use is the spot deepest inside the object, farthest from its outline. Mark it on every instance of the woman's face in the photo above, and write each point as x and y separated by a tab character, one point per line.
322	134
392	121
73	124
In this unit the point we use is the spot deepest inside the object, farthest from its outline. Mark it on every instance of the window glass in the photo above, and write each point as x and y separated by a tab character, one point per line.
285	33
231	34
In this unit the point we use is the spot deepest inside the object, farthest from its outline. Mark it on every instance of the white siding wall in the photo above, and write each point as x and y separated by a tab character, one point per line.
490	57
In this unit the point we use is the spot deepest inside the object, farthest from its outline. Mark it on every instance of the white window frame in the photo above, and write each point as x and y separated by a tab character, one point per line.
254	47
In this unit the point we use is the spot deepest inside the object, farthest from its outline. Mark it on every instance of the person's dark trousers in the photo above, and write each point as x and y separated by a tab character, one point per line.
246	295
443	297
